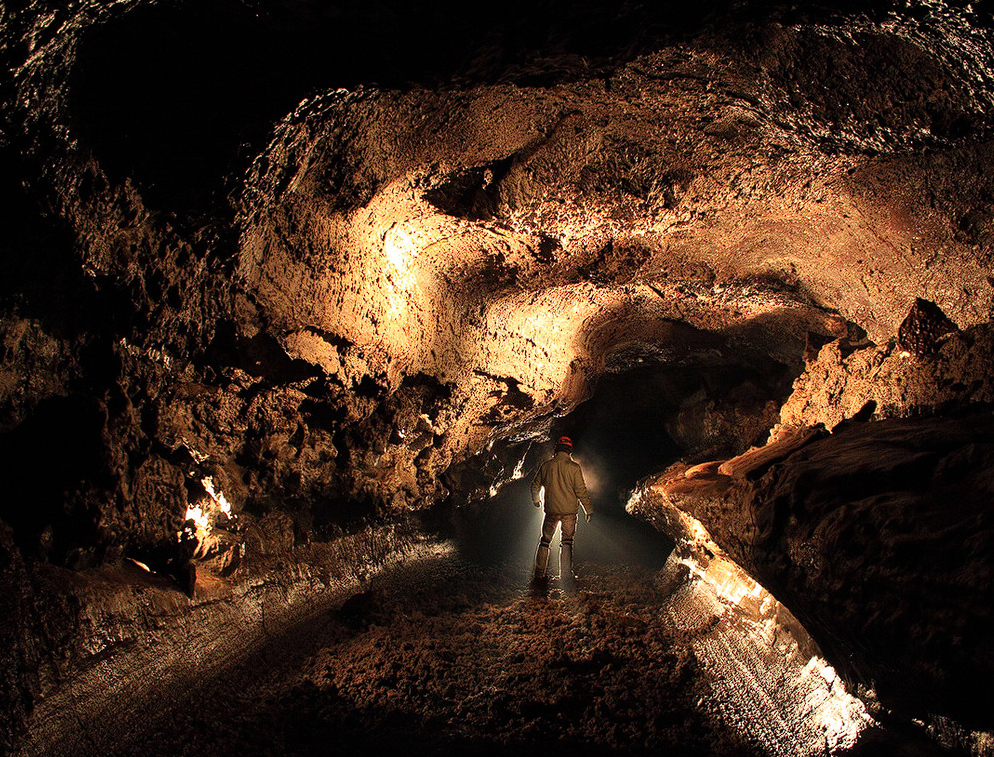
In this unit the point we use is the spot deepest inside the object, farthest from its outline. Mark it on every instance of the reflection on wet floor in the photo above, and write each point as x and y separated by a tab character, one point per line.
634	660
757	672
752	675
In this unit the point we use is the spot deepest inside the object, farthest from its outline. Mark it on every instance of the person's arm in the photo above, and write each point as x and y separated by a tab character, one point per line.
580	489
537	487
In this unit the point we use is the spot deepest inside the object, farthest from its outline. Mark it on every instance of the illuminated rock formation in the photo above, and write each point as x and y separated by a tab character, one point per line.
368	274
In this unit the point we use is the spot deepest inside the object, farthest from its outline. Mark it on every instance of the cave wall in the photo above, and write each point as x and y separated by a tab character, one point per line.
944	371
342	303
867	512
878	539
504	240
411	275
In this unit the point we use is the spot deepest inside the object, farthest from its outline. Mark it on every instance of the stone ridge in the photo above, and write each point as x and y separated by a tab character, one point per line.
871	536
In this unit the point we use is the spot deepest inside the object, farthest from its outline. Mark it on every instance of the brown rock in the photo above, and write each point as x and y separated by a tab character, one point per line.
880	539
925	324
757	460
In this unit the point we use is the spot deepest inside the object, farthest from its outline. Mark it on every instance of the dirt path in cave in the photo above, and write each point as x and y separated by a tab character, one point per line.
441	655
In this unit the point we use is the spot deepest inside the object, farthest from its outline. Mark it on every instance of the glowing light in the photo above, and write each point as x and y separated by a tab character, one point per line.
140	564
700	533
838	716
792	702
204	512
199	517
399	249
519	470
222	503
831	717
394	254
729	582
841	716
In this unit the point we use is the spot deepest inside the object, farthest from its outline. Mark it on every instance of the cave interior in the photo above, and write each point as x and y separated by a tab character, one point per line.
296	298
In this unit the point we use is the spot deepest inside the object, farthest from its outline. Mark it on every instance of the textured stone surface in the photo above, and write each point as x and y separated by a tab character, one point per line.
925	325
20	662
879	538
412	275
886	381
347	262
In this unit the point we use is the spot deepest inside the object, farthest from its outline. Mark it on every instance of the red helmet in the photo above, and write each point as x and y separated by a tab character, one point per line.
565	442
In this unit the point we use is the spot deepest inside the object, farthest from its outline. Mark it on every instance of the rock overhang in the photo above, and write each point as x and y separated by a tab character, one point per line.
771	175
527	233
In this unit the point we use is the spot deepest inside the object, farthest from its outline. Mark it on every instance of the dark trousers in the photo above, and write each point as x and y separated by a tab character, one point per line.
566	546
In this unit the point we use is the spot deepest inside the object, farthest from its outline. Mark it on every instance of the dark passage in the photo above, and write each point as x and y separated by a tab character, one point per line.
636	423
177	95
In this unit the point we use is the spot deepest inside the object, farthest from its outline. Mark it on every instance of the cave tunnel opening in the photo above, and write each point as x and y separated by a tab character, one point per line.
642	415
332	609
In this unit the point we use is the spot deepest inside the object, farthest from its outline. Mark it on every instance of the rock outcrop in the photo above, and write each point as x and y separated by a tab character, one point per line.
878	538
411	275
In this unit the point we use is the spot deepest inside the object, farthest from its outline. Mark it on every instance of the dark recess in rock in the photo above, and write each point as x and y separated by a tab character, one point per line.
473	194
260	356
639	421
47	464
34	248
813	343
921	330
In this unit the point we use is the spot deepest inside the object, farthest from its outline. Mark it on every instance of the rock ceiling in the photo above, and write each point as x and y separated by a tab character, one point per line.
500	241
362	288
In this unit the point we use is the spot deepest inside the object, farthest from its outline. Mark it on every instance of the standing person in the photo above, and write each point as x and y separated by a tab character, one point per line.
565	490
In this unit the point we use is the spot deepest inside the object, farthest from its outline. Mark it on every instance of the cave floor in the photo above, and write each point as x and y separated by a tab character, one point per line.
441	655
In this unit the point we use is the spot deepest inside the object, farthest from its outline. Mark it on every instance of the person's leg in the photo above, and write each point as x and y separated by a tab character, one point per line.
548	531
566	547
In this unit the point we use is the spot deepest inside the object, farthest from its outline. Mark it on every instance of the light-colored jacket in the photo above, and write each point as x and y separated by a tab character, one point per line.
564	486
